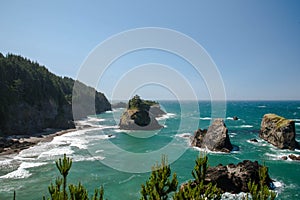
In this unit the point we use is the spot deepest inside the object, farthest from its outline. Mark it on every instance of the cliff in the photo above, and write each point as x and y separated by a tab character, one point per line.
140	115
33	99
278	131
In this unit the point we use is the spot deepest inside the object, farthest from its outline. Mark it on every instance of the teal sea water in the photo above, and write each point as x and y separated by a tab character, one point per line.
121	160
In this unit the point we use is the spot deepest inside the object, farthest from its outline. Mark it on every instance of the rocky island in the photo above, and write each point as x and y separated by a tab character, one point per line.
140	115
279	131
216	138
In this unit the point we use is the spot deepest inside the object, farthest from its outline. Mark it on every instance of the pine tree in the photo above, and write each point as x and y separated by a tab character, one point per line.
261	191
198	189
159	185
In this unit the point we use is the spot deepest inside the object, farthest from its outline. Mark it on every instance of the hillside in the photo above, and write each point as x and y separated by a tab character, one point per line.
33	99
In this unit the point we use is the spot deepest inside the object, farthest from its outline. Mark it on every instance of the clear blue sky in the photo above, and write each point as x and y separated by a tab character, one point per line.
255	44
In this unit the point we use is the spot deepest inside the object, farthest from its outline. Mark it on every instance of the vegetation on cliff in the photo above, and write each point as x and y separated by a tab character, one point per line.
32	98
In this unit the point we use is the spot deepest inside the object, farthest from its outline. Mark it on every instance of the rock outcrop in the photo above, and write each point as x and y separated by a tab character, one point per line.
278	131
234	178
140	115
216	138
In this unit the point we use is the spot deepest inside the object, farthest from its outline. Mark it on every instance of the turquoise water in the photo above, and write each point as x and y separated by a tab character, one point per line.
121	163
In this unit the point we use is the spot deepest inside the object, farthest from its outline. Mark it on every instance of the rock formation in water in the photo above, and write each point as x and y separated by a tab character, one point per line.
33	99
140	115
278	131
216	138
234	178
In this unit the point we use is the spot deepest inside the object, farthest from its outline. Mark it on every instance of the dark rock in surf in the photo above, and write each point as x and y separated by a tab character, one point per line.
279	131
216	138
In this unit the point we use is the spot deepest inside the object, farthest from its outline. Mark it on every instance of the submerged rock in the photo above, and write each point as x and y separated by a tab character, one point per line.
216	138
278	131
140	115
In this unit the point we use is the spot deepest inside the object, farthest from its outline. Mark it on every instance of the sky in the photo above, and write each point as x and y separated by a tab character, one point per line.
255	45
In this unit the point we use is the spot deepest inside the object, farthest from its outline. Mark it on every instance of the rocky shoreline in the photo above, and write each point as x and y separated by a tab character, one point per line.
15	144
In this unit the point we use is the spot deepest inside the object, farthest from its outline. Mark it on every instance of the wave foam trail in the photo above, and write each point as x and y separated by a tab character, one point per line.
166	116
205	118
21	172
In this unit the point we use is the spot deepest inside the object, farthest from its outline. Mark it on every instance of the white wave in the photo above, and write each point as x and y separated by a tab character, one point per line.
298	108
184	135
128	179
231	118
229	196
232	133
21	172
205	118
206	150
244	126
166	116
261	106
90	158
94	119
297	124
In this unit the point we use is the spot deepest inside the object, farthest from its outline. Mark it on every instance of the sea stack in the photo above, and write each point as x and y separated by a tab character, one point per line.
216	138
278	131
140	115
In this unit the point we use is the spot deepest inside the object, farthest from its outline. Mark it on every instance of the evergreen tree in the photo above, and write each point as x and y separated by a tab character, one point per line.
198	189
261	191
159	185
78	192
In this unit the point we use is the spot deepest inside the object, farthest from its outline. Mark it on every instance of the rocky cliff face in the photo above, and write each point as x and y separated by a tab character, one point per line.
216	138
33	99
278	131
140	115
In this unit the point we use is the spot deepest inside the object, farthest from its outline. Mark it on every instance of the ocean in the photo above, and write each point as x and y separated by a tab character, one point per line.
121	160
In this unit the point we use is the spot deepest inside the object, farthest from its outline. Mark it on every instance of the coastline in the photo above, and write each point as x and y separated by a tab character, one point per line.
24	142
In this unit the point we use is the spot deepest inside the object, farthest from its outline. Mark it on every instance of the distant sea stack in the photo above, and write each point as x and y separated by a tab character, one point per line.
140	115
33	99
216	138
278	131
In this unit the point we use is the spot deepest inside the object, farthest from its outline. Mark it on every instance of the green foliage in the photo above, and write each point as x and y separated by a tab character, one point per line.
26	84
159	185
198	189
137	103
76	192
261	191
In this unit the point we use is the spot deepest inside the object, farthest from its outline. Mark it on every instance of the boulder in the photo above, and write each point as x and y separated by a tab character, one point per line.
278	131
234	178
235	118
294	157
216	138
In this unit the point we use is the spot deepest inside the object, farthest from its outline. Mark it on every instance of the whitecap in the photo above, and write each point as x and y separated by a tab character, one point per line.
90	158
244	126
261	106
128	179
21	172
205	118
166	116
229	196
231	118
184	135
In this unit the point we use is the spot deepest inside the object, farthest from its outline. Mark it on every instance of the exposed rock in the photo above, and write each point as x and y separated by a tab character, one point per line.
253	140
278	131
294	157
140	115
216	138
235	118
284	157
234	178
